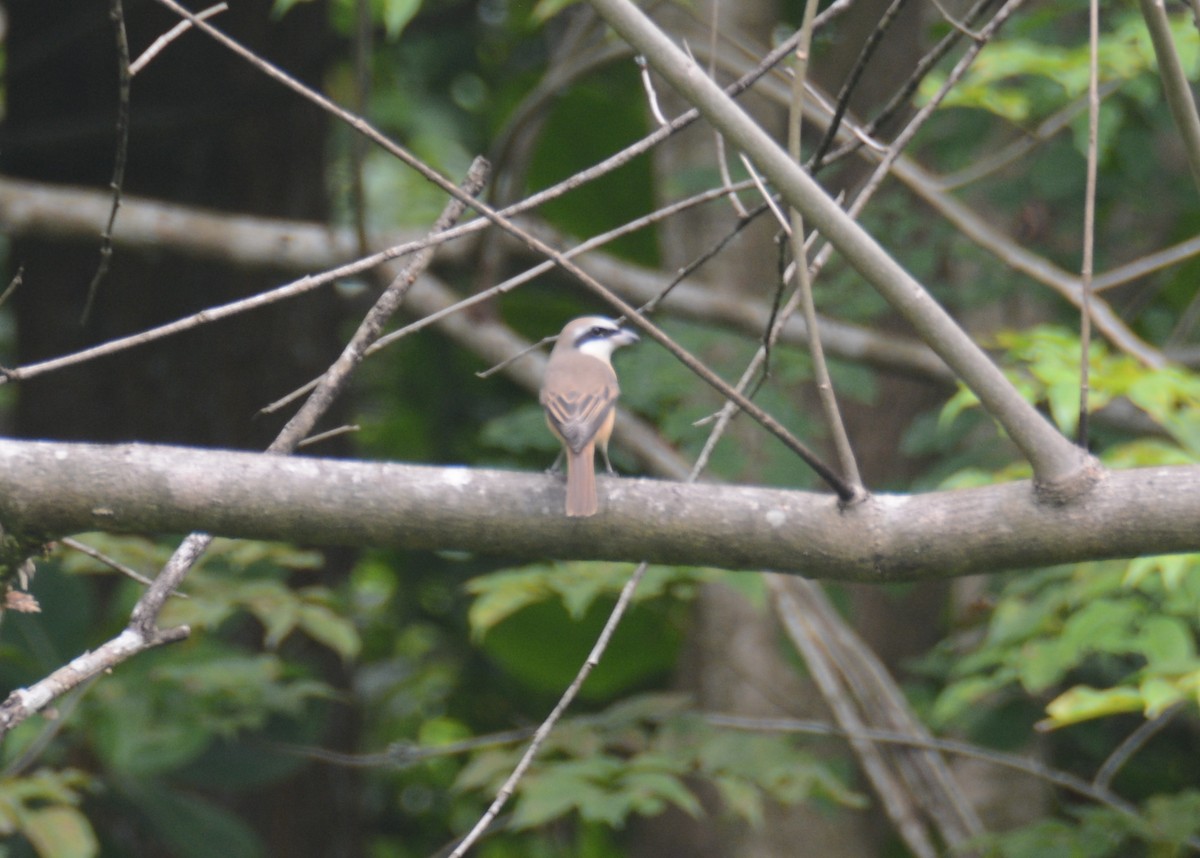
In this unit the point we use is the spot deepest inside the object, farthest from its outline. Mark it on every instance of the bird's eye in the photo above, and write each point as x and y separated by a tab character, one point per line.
600	332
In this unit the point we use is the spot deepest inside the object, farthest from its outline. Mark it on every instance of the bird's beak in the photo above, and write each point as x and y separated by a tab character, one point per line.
628	337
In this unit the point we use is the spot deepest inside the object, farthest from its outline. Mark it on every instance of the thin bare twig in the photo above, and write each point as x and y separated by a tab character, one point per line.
828	399
127	571
361	52
1133	743
157	46
900	98
401	755
212	314
331	433
335	378
961	26
1089	220
509	361
543	731
992	162
651	94
13	285
842	101
117	13
718	138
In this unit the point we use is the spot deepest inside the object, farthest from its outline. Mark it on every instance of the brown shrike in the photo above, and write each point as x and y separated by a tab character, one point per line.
579	394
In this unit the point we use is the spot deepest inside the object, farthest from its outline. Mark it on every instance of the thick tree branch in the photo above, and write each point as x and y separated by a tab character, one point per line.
57	489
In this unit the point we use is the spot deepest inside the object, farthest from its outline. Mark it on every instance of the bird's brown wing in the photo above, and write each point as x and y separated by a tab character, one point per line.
578	394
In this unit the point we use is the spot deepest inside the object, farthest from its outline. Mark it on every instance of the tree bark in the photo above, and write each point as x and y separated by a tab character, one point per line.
55	489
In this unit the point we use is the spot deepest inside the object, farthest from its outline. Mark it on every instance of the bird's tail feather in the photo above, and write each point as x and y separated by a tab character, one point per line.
581	482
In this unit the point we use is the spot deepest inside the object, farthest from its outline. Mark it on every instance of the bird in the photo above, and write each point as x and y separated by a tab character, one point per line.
579	394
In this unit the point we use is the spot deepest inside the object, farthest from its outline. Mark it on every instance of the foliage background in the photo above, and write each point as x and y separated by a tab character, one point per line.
393	689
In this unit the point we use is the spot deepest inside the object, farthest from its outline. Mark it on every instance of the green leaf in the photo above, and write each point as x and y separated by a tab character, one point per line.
502	594
273	605
1082	703
644	708
60	831
962	696
652	791
330	629
560	788
396	14
45	786
963	399
1139	569
1168	643
1063	397
485	771
282	7
1173	818
132	736
741	797
192	826
1102	625
1158	695
442	730
547	9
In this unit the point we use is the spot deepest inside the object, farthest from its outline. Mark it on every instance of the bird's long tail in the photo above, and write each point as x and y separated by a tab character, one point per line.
581	482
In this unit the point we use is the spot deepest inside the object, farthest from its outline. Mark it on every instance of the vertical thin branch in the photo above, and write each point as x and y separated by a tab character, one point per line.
833	417
358	144
117	13
719	139
1089	218
543	731
855	74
